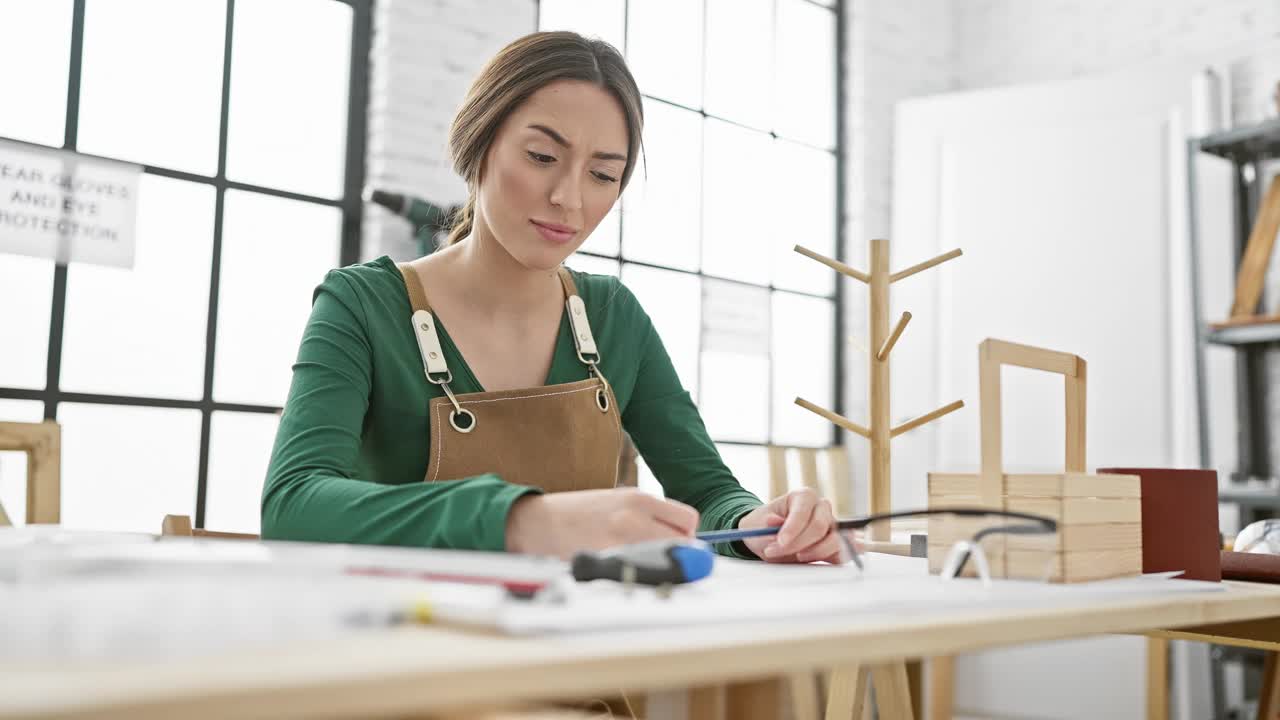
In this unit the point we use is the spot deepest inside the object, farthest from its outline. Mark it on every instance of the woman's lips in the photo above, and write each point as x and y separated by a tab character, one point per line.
558	234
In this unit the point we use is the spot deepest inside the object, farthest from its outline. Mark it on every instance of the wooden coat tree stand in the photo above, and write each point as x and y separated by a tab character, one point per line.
880	431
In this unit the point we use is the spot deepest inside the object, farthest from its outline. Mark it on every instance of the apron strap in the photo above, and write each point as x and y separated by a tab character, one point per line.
433	362
570	289
413	283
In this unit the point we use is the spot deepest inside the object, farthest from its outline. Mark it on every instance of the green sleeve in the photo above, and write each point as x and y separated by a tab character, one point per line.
671	437
312	491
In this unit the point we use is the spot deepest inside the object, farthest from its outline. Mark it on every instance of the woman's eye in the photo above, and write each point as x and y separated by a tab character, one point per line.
605	178
540	158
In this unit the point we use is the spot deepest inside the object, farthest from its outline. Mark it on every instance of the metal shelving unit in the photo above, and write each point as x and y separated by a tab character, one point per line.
1244	334
1247	149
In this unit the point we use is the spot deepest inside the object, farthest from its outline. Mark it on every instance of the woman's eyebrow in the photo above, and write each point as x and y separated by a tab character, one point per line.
562	142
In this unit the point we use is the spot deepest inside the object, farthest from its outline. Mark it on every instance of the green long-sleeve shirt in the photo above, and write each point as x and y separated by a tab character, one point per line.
351	451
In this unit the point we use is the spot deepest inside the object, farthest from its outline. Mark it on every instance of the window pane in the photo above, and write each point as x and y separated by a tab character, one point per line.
604	239
739	55
646	481
739	206
25	283
803	358
112	343
750	464
35	53
664	49
239	450
805	185
13	465
593	18
288	122
735	361
673	301
125	468
805	75
148	95
663	201
274	253
593	265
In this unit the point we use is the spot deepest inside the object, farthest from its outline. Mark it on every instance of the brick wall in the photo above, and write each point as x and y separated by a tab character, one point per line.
425	54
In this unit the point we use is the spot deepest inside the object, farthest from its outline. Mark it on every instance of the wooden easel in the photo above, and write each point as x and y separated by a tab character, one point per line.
880	431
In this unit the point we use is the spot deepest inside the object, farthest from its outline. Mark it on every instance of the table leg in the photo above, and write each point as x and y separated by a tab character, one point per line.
1269	699
942	687
707	703
1157	679
893	691
848	692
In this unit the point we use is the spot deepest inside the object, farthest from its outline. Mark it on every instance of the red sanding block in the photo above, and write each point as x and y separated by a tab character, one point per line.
1179	521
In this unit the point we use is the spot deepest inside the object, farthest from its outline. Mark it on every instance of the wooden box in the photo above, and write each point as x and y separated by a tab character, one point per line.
1099	516
1099	525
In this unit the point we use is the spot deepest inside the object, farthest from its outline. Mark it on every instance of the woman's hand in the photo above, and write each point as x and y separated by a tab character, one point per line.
808	531
564	523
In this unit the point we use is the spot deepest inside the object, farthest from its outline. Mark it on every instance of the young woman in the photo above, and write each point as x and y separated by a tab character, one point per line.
502	431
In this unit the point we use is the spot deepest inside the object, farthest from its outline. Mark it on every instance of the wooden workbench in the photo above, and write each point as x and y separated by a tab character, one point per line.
417	671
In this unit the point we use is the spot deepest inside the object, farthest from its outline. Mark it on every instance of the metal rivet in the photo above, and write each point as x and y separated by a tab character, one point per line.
582	336
577	311
425	326
433	356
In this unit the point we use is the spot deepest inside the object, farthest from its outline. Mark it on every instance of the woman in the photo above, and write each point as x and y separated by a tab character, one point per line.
514	414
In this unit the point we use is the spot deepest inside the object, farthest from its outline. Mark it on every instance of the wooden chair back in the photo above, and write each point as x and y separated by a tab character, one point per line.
180	526
825	470
42	443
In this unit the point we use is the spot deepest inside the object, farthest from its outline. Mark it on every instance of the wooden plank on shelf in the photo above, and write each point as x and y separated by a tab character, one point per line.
1257	254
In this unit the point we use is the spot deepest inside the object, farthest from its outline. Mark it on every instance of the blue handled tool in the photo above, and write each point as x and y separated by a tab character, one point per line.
657	563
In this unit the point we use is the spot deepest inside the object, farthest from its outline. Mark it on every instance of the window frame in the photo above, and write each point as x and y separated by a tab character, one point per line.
350	204
839	151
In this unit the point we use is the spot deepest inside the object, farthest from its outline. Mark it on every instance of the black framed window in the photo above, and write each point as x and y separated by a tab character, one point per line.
167	378
744	149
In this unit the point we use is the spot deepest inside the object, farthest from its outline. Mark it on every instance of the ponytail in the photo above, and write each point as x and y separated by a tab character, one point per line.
460	223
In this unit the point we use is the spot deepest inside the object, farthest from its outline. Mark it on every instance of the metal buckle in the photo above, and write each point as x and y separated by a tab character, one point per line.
453	420
457	410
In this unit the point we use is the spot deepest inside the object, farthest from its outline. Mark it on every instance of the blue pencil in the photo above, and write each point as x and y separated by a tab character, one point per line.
723	536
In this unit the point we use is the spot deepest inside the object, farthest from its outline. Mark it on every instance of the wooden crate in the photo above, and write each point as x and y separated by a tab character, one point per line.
1099	516
1099	525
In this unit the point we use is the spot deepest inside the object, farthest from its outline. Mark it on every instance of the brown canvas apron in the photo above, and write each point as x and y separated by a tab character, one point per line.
555	437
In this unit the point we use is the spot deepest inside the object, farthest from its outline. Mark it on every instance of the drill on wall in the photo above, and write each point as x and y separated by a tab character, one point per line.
426	218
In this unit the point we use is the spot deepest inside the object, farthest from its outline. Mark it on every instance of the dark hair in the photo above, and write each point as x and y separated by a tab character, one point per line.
516	73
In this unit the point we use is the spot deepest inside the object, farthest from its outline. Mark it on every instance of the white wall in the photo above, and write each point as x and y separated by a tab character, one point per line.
1002	42
1065	197
900	49
425	54
896	49
1040	255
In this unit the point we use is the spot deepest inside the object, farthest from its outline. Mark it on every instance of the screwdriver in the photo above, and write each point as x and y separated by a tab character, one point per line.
657	563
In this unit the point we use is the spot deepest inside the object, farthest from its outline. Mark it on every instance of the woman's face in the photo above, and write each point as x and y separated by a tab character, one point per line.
553	172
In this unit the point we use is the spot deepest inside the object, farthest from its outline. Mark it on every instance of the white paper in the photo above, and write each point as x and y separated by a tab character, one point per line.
80	596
